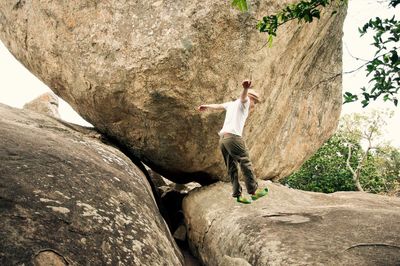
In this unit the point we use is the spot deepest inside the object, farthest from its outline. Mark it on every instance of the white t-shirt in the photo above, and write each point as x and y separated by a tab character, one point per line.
235	117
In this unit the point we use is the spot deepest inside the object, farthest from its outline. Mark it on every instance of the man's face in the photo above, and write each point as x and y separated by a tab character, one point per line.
253	103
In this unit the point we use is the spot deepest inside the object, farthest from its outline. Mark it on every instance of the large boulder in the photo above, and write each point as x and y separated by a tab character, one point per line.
66	198
46	104
293	227
136	70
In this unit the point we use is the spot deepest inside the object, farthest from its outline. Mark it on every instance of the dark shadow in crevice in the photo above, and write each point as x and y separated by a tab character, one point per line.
181	177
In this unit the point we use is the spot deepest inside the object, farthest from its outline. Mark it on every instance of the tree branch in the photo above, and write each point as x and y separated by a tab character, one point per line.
348	160
366	63
355	57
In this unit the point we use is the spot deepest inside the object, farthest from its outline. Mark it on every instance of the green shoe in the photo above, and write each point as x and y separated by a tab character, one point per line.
261	192
244	200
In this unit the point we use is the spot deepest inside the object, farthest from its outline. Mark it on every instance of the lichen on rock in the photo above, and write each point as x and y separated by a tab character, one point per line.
61	203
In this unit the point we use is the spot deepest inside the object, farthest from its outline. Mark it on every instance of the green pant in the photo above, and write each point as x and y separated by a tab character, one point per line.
235	152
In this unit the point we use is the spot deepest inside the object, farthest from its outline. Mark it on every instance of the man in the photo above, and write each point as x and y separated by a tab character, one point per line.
232	145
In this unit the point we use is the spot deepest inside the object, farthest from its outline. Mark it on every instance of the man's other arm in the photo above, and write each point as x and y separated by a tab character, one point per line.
246	85
213	106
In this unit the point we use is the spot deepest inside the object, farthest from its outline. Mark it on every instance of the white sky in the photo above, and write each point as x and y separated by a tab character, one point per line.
18	86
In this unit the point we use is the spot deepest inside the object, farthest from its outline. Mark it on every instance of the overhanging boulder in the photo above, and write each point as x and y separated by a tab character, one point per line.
136	70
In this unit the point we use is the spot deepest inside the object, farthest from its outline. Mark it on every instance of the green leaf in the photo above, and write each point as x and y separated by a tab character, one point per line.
315	13
395	57
280	16
386	97
386	58
394	3
308	18
270	39
349	97
240	4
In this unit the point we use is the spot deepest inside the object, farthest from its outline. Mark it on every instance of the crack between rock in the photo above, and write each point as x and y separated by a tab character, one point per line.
372	245
26	35
79	232
66	260
205	233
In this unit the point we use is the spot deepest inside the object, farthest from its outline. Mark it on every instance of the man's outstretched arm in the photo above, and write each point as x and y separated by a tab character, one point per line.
214	106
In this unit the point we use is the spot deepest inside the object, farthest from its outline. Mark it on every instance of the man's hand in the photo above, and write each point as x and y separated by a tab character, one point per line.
246	84
202	108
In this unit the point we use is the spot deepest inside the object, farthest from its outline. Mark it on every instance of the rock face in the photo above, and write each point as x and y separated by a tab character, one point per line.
136	70
293	227
69	199
46	104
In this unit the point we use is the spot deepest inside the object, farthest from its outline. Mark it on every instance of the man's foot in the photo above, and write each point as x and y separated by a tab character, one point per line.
244	200
261	192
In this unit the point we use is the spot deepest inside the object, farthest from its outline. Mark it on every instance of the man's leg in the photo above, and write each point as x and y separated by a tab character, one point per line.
248	173
238	150
231	166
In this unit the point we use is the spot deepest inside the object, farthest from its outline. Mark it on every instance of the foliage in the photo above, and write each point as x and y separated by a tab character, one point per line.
389	161
343	164
364	129
388	165
370	180
385	67
394	3
365	126
326	170
240	4
303	11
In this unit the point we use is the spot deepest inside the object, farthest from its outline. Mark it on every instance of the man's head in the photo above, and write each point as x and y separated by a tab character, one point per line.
253	96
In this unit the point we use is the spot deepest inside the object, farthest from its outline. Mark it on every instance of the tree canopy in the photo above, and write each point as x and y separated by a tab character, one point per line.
354	158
